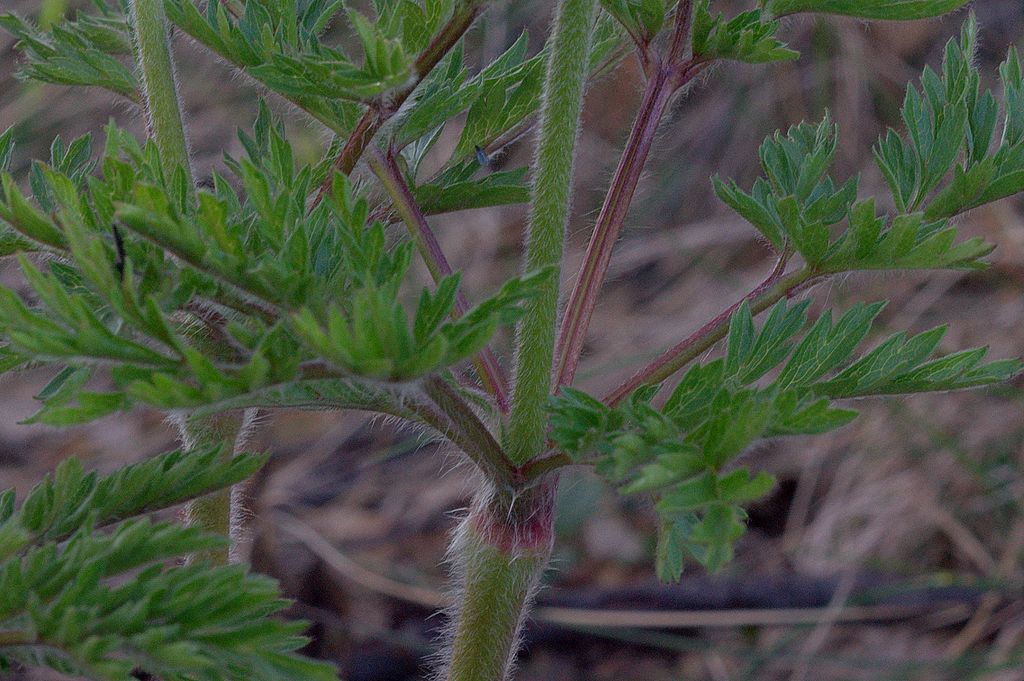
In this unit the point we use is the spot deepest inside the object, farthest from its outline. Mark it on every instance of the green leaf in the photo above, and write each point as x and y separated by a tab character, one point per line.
712	539
56	505
21	215
105	605
758	208
643	19
796	202
66	387
442	96
796	416
685	453
768	347
691	495
451	193
90	406
671	554
6	149
1012	77
743	38
278	44
739	488
510	89
113	601
372	337
827	345
866	9
87	51
797	163
900	366
963	191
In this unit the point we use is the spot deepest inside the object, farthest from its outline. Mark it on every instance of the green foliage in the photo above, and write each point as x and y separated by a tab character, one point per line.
950	125
642	19
280	285
499	98
457	189
59	506
867	9
65	600
509	92
372	337
277	43
798	206
274	271
777	380
280	45
497	101
746	37
86	51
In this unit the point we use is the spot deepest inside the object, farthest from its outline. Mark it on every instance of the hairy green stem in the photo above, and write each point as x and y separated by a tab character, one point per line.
500	552
466	430
504	544
567	72
163	108
216	513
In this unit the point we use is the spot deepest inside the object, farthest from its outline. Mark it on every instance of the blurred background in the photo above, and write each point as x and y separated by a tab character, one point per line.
900	538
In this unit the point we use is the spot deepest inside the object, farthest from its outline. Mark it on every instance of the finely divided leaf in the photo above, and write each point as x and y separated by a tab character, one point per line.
745	37
777	379
86	51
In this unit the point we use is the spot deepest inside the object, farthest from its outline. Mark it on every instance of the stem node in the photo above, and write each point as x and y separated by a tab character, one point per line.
499	553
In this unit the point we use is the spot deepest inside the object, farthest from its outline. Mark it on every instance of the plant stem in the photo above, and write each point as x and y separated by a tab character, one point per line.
500	550
376	116
503	545
458	421
567	71
681	30
541	466
215	513
163	107
390	175
583	299
770	291
665	76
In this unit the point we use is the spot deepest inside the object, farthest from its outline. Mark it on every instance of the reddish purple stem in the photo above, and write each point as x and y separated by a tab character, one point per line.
376	115
386	168
770	291
661	86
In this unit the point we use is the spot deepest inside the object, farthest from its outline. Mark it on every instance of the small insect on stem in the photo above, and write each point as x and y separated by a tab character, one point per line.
482	158
119	247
